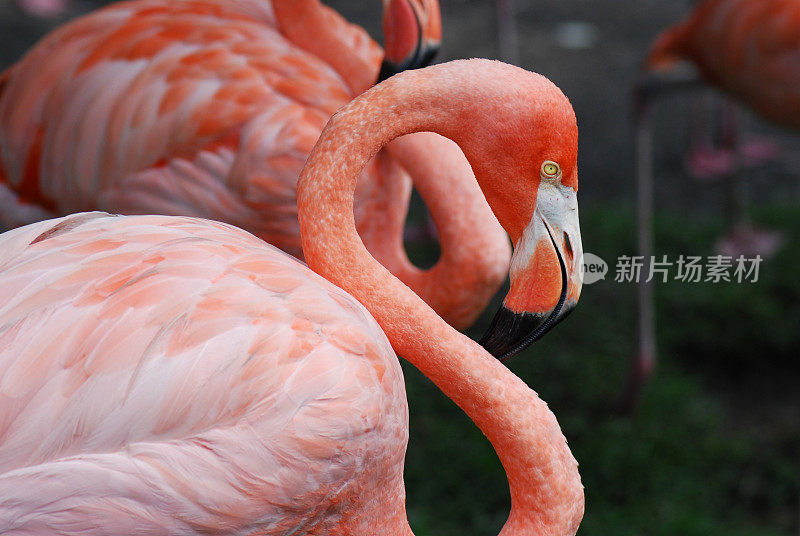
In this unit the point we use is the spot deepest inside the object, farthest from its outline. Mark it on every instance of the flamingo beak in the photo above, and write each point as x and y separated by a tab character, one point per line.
412	35
546	276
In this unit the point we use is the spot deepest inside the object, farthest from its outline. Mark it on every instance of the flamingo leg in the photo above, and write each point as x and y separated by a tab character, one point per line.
644	360
716	147
706	160
647	89
741	236
736	188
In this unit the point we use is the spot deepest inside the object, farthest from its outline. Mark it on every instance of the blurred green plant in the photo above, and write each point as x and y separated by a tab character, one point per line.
714	446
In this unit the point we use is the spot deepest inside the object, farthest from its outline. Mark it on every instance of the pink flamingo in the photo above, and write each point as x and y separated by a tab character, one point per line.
163	374
749	49
745	47
209	108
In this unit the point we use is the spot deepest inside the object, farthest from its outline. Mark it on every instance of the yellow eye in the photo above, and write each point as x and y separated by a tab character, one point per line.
550	169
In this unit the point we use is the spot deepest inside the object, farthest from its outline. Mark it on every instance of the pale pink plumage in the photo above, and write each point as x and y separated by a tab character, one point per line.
132	102
178	375
206	108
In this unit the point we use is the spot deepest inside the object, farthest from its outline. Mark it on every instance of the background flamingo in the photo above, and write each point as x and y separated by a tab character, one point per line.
745	48
748	49
210	107
198	381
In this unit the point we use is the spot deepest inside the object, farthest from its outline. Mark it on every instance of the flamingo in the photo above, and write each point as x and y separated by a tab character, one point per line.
748	49
209	108
175	375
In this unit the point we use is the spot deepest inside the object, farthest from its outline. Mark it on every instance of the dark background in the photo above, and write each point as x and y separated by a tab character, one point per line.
714	445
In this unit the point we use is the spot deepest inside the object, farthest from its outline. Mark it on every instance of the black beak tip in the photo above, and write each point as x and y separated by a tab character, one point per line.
509	332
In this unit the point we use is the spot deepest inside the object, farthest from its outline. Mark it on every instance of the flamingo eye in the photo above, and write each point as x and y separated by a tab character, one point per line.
550	169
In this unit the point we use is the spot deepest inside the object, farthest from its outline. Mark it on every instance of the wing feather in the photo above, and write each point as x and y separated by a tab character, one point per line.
132	87
142	356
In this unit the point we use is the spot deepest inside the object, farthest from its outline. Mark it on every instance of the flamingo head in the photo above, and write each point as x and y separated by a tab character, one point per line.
532	188
412	32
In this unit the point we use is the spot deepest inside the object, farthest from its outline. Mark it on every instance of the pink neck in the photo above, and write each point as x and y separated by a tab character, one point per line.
474	257
319	30
475	250
546	494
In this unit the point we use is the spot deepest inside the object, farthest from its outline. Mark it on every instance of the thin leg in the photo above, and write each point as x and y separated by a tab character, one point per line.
645	359
741	236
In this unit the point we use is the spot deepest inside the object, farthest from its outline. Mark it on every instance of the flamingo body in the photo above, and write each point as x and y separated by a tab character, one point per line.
209	108
187	108
187	378
749	48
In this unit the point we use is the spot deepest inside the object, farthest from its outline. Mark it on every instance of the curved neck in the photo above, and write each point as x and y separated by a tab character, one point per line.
546	494
321	31
475	251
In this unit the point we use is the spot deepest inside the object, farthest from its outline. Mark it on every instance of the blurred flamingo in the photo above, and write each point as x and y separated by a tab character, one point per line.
210	107
750	50
173	375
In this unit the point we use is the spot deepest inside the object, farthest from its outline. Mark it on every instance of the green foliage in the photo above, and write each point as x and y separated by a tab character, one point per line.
713	448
